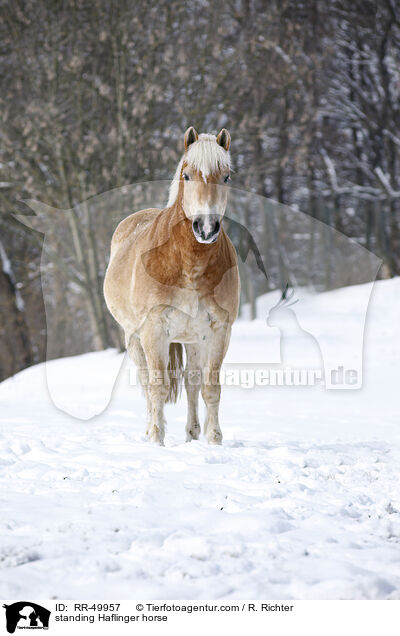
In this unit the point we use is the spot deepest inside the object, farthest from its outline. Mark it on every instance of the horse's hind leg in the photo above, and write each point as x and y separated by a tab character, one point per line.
192	386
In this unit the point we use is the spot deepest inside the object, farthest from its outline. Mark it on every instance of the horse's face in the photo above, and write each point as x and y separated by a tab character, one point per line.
204	191
204	203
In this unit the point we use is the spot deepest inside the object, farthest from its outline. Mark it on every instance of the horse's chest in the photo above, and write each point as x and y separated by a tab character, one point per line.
192	277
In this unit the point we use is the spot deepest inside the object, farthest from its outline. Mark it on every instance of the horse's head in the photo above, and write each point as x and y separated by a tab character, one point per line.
203	172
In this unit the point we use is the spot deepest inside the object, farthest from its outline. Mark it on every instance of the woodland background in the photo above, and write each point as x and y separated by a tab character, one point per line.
95	95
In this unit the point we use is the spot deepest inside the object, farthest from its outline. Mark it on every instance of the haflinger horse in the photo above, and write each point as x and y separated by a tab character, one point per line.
173	279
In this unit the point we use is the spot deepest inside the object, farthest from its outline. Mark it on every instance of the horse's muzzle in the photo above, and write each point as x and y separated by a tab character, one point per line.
206	228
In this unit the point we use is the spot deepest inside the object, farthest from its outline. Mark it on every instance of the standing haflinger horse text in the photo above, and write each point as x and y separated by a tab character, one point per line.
173	280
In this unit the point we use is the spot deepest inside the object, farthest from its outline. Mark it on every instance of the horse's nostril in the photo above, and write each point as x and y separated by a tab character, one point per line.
217	226
196	225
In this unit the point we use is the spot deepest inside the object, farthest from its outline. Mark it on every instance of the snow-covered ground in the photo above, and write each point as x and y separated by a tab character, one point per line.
301	501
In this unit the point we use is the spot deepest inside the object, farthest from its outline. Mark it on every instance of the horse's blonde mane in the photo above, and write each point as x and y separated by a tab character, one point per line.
205	156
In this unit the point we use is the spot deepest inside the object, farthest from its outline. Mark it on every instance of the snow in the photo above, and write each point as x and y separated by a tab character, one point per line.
301	501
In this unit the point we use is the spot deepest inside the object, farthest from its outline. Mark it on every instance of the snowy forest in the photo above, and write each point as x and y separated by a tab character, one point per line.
97	95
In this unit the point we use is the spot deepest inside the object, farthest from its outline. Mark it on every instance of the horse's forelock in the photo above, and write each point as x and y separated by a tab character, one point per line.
205	156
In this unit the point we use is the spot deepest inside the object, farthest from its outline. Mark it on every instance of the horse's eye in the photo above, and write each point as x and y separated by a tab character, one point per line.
186	176
227	178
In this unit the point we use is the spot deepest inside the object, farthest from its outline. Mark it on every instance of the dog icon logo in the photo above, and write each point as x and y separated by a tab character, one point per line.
26	615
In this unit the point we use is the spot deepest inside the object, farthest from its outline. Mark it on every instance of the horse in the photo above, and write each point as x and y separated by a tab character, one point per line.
173	281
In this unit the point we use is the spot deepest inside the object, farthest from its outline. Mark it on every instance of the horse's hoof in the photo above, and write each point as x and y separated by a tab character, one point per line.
154	437
193	433
215	438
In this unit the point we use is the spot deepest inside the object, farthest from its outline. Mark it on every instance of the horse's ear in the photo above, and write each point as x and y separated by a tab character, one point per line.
224	139
190	137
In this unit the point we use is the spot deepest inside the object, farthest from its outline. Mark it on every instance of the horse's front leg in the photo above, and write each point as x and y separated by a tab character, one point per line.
136	353
214	354
192	385
156	348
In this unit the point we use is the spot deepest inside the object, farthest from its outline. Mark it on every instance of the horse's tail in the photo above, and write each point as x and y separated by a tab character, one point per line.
175	371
